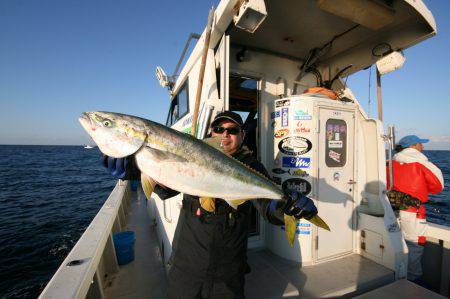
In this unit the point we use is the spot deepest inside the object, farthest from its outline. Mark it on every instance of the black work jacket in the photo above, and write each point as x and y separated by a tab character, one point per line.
214	245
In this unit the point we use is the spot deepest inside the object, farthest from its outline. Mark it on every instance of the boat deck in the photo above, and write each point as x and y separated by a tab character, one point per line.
271	276
145	277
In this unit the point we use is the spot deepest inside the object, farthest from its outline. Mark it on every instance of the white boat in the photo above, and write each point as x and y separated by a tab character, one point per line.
261	57
87	146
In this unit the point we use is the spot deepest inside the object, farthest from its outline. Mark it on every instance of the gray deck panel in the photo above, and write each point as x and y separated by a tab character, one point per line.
401	289
275	277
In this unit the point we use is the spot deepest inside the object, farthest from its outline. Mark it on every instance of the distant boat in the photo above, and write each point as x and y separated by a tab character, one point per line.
88	146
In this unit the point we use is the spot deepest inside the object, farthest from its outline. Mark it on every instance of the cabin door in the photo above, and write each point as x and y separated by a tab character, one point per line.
335	182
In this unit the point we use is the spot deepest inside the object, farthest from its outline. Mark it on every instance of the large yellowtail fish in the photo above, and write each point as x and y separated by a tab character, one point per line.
177	160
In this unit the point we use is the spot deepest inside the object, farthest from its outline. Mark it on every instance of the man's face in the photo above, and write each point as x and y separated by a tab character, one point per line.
230	142
418	146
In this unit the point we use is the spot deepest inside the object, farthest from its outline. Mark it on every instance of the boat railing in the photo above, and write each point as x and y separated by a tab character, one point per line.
92	262
436	258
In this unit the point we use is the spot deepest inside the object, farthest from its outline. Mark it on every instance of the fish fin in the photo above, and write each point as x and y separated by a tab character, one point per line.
316	220
165	156
290	226
234	203
215	142
208	203
148	184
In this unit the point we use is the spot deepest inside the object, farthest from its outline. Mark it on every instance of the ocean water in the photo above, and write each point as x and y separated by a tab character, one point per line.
50	194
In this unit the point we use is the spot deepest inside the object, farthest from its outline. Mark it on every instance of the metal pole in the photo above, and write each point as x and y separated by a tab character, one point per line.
202	71
380	100
390	150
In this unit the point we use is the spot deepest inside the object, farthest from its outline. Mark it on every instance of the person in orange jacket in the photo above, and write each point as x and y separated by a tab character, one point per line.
414	178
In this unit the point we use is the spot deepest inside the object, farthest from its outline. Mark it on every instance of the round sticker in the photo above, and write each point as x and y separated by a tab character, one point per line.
294	145
300	185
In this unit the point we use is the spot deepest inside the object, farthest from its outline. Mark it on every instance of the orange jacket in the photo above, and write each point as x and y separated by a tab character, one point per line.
415	175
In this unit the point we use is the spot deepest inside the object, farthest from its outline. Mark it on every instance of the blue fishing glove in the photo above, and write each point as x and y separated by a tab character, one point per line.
121	168
298	205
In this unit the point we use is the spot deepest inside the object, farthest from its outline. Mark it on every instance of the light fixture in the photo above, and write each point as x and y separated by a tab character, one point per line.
390	62
250	15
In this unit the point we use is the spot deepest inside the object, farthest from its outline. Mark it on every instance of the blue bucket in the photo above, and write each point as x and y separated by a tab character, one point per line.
124	245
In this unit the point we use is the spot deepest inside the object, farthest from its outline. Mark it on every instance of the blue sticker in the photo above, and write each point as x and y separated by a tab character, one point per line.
275	114
298	232
296	162
303	224
284	117
302	115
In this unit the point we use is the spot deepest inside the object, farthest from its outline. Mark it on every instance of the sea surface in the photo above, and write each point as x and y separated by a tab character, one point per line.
50	194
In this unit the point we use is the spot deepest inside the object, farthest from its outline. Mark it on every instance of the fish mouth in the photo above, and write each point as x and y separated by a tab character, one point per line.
86	122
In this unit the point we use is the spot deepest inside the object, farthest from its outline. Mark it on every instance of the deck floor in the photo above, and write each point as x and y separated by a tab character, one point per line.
275	277
271	276
145	277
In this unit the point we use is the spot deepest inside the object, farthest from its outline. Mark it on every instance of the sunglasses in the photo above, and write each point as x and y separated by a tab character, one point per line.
232	130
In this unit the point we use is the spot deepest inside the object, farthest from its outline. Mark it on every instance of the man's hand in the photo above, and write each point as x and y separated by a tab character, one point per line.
121	168
298	205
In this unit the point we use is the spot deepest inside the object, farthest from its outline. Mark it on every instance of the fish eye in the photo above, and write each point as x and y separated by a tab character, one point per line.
107	123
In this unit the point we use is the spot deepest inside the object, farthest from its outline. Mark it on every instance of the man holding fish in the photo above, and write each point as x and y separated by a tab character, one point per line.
220	180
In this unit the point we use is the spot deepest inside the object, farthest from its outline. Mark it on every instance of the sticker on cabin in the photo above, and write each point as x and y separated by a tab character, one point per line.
300	230
282	103
294	145
276	180
300	128
334	156
296	162
284	117
336	176
300	185
281	133
301	114
298	172
335	144
275	114
303	224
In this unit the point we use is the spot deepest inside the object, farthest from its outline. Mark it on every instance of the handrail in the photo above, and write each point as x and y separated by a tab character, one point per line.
75	275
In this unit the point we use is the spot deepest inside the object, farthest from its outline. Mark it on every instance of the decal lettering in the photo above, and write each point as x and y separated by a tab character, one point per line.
302	115
281	133
335	144
281	103
296	162
284	117
300	185
335	156
298	172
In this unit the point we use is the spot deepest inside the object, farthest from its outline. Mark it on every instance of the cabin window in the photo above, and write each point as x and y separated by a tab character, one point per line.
179	106
336	143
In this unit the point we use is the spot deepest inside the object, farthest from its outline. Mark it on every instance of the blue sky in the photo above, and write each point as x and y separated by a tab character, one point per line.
60	58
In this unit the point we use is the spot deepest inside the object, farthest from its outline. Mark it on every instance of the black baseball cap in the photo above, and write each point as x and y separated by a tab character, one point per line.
227	115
